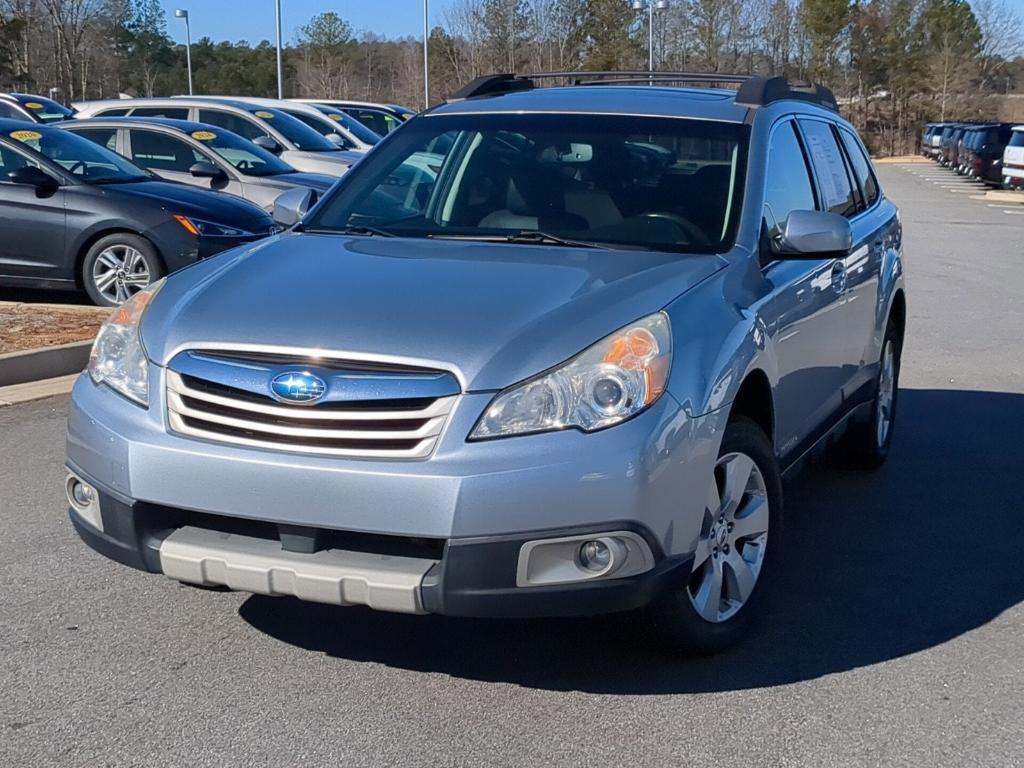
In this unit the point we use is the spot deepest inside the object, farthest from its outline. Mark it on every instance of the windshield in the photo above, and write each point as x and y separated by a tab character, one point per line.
45	110
633	182
246	157
352	125
297	132
80	157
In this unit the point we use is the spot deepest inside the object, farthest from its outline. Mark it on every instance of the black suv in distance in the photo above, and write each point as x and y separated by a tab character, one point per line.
74	214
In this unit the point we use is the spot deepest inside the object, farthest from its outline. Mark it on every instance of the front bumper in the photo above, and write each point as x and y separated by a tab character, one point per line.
465	512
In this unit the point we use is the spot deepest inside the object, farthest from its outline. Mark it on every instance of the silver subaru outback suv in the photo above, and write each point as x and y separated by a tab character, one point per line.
546	351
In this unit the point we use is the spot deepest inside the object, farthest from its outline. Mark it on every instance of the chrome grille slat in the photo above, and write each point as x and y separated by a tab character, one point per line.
364	430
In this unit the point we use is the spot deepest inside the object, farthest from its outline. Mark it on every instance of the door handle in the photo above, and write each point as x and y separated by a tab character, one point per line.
839	277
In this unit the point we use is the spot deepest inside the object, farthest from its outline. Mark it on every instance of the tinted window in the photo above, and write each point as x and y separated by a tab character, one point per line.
245	156
11	111
350	124
11	161
177	113
231	122
79	156
788	187
160	152
861	166
297	132
105	137
45	110
117	112
379	122
640	182
323	129
1018	139
829	169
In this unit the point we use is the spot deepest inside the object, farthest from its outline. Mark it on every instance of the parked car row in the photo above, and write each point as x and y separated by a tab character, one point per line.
990	152
111	195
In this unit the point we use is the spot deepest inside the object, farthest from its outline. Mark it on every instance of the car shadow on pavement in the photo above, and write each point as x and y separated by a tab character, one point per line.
877	566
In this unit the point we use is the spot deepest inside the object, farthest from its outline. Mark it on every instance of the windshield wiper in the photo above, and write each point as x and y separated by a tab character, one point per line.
363	231
532	237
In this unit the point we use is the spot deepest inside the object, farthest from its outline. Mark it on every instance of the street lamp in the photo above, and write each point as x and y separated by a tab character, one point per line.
651	6
280	71
181	13
426	60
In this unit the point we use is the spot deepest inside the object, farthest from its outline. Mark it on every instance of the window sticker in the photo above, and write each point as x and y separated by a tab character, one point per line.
335	118
264	114
34	105
204	135
26	135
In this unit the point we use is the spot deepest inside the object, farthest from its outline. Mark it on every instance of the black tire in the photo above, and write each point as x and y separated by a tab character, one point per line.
675	617
141	267
865	445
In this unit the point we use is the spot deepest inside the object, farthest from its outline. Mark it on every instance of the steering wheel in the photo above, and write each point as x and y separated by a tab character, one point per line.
693	233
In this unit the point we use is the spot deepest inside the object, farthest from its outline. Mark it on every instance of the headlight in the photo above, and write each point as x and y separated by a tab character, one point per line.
199	227
606	384
117	358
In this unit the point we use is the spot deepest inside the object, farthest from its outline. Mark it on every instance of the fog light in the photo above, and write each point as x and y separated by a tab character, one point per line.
82	498
595	555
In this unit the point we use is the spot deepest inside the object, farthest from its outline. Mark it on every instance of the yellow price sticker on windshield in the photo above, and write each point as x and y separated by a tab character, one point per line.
265	115
335	118
34	105
26	135
204	135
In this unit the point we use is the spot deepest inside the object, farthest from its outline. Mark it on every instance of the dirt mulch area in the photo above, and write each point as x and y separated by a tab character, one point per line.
28	326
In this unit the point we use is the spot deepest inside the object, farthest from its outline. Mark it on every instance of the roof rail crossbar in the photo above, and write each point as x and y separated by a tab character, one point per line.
752	91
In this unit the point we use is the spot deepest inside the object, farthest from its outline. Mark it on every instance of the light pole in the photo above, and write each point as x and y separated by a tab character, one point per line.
651	6
280	69
181	13
426	59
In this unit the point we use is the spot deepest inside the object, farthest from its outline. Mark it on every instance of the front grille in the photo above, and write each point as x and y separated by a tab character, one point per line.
406	428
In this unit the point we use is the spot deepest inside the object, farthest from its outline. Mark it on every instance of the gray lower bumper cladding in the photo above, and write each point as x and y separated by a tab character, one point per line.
336	577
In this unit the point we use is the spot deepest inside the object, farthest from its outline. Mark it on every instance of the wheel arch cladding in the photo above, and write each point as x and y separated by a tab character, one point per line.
754	400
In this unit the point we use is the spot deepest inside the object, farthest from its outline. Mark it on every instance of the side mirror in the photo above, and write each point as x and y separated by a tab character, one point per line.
206	170
290	207
267	143
31	176
814	235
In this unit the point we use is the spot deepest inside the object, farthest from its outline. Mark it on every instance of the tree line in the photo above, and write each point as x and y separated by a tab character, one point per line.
893	63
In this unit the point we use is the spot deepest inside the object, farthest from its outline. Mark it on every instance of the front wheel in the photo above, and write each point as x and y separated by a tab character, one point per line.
118	266
737	545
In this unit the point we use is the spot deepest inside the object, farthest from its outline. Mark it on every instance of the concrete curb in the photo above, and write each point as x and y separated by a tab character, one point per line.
83	308
43	363
37	390
1005	197
901	159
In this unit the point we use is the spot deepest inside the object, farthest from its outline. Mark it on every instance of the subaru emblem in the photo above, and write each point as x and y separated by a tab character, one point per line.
300	387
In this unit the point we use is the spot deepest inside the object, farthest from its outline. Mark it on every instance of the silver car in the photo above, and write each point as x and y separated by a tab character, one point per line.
295	142
546	351
201	155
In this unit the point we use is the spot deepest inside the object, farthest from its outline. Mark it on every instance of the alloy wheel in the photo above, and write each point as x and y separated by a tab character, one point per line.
886	395
120	272
733	539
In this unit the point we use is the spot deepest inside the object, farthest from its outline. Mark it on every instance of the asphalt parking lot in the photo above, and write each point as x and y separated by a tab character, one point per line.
897	635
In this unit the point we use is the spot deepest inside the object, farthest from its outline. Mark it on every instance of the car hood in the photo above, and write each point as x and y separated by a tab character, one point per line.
333	163
493	313
190	201
318	181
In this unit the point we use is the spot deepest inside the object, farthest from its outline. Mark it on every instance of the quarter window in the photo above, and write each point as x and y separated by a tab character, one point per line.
861	167
788	186
834	185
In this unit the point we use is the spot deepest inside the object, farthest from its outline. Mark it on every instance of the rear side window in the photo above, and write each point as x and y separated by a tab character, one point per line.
116	112
105	137
176	113
788	187
160	152
231	122
837	194
861	167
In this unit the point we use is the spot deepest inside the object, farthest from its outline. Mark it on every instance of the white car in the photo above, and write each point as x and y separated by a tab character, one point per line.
345	131
1013	159
295	142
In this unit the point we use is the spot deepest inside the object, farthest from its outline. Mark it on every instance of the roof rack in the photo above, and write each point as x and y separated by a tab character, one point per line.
752	91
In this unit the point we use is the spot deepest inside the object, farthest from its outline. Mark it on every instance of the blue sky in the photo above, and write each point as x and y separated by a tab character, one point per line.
253	20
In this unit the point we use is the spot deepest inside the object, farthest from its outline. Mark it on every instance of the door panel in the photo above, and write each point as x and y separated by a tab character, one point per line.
32	228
